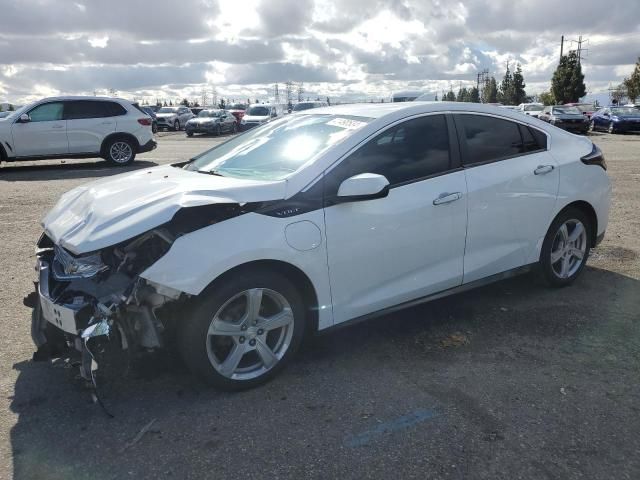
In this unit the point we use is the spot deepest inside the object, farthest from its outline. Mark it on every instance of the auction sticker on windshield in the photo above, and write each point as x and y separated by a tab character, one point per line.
346	123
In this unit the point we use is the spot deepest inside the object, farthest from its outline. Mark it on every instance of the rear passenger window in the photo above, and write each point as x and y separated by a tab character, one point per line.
541	138
407	152
80	109
488	139
115	109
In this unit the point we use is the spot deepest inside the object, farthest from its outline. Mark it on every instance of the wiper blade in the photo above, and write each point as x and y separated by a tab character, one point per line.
210	172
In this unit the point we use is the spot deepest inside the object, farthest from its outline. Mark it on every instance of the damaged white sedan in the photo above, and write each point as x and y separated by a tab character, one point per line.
312	221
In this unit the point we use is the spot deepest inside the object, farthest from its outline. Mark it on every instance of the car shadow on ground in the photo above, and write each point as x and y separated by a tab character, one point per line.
456	354
15	172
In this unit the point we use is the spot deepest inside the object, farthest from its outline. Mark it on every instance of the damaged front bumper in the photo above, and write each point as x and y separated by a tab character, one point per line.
100	311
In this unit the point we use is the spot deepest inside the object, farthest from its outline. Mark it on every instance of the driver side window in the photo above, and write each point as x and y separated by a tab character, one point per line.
47	112
407	152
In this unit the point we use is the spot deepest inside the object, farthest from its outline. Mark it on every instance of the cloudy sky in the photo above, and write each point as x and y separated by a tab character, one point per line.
344	49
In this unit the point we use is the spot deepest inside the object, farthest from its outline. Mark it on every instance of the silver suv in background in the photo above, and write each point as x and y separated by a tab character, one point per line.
76	127
173	118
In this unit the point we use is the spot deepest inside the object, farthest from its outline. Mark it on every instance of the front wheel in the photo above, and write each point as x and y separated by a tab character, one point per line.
592	126
244	331
235	128
612	128
120	151
176	125
566	248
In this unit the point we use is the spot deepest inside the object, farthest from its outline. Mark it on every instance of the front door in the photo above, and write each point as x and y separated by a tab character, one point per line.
391	250
512	183
44	134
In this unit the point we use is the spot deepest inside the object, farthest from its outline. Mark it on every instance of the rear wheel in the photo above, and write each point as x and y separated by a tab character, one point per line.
189	134
176	125
566	248
243	332
120	151
592	126
235	128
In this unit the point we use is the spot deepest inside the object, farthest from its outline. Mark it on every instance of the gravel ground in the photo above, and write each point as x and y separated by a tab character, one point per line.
513	380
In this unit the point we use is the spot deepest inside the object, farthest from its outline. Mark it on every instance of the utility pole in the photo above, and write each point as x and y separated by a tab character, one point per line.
276	94
561	47
300	91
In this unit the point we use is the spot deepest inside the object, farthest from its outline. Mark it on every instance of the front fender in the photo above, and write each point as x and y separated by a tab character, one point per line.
198	258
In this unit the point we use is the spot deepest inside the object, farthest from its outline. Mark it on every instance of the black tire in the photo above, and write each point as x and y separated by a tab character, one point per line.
546	265
592	126
235	128
611	128
189	134
176	125
193	337
218	130
154	128
111	151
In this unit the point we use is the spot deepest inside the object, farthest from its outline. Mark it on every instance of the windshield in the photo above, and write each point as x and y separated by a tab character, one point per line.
278	148
258	111
533	108
566	111
168	110
237	106
209	113
302	106
625	111
585	108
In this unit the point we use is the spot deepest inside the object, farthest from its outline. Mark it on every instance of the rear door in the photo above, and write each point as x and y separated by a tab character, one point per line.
512	183
89	122
386	251
45	133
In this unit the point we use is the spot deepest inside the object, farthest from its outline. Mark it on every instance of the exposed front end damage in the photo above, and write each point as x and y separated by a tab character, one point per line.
97	305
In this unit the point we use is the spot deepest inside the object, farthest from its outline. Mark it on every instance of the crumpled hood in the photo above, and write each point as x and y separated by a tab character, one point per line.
109	211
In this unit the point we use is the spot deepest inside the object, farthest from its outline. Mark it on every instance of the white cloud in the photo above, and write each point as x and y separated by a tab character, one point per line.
341	48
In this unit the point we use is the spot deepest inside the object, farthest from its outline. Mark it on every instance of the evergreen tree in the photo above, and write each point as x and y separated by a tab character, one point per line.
490	91
11	108
506	93
567	83
451	97
632	84
519	94
462	93
184	102
474	95
170	103
436	98
165	103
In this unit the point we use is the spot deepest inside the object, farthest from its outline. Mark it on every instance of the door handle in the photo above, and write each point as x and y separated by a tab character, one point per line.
57	126
542	169
447	198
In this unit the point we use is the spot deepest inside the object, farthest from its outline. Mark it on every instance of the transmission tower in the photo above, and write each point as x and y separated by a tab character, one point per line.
276	94
300	91
481	81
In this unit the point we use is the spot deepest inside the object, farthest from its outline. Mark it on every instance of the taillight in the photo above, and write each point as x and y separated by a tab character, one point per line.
145	121
596	157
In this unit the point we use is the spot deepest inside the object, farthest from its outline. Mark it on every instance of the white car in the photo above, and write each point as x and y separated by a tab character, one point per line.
329	216
173	118
76	127
531	109
257	115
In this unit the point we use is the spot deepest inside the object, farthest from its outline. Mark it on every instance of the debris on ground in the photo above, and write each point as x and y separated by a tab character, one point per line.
138	437
456	339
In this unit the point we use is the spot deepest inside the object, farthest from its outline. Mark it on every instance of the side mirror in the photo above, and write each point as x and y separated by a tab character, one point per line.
365	186
25	118
605	115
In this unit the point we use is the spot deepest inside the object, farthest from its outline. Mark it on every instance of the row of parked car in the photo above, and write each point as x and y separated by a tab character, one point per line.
585	117
235	117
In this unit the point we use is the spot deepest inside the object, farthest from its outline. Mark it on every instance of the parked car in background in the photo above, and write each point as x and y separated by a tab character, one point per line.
154	121
76	127
212	121
298	107
289	228
237	110
616	120
257	114
567	118
587	109
531	109
153	108
5	114
633	105
173	118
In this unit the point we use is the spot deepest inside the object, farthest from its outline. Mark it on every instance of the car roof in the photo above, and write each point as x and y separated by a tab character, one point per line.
402	109
81	97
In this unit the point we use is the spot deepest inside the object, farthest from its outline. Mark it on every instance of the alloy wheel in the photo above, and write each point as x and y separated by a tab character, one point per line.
120	152
592	126
250	334
568	248
611	127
